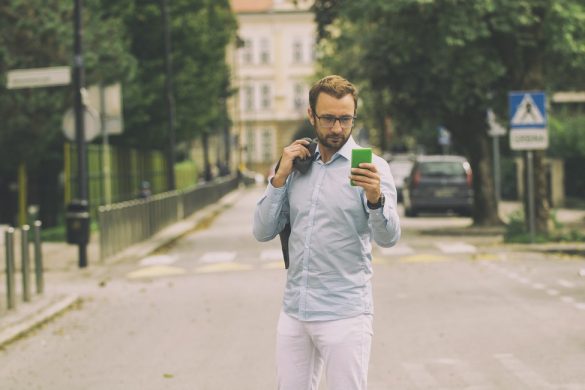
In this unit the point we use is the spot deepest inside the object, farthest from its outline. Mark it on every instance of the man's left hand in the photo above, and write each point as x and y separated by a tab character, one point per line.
367	177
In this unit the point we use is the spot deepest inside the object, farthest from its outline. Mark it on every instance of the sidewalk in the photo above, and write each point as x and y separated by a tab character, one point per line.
63	277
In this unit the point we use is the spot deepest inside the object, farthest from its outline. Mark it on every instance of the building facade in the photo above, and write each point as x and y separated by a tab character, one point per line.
272	70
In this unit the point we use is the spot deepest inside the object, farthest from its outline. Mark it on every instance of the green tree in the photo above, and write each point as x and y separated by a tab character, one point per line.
200	31
35	33
447	61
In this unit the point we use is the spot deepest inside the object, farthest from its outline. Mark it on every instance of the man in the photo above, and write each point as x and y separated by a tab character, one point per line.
326	320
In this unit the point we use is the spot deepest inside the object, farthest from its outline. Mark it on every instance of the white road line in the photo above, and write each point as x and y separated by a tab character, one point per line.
157	260
474	379
271	255
522	371
566	283
552	292
218	257
398	250
420	376
538	286
455	247
580	306
567	299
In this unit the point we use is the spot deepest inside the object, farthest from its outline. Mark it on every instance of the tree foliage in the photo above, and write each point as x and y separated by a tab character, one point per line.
445	62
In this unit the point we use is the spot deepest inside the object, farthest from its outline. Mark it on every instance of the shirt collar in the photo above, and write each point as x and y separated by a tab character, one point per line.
345	150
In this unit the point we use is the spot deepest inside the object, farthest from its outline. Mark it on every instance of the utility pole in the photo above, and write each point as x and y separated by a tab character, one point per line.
169	94
79	85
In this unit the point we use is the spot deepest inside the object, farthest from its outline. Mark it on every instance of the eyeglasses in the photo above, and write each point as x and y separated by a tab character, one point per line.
328	121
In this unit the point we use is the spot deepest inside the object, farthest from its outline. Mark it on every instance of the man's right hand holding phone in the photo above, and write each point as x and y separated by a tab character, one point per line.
298	149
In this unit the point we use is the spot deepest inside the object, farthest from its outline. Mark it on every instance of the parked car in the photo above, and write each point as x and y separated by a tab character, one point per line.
439	184
400	166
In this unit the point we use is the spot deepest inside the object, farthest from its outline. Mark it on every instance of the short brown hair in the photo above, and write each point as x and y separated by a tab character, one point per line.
335	86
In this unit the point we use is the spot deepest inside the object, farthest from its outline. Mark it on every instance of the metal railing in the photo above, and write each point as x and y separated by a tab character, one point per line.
25	263
124	224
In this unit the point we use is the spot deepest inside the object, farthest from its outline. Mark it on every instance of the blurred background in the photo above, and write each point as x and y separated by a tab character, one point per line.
179	93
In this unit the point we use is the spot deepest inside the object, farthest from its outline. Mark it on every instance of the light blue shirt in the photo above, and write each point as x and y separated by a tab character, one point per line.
331	230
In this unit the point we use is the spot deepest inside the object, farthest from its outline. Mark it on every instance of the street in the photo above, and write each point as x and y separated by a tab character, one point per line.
450	313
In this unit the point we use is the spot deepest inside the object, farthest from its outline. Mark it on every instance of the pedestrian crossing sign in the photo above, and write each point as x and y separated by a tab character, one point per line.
528	120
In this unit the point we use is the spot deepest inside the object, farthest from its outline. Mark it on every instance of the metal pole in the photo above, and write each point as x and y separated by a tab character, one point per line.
9	244
78	85
38	257
25	262
531	211
169	94
497	181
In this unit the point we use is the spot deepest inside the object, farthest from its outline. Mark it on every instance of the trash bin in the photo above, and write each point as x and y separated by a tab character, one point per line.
77	222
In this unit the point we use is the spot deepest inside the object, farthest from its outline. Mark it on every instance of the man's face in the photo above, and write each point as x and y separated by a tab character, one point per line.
334	137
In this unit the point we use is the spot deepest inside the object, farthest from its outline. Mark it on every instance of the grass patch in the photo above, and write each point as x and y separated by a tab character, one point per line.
517	232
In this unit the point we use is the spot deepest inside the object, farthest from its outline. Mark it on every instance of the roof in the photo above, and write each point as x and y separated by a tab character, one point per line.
251	5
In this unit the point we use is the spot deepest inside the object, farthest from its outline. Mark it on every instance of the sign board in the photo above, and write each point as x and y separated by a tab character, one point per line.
91	124
38	77
495	130
107	100
528	120
444	136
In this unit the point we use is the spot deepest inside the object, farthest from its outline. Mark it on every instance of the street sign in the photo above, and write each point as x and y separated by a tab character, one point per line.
528	120
91	121
38	77
495	130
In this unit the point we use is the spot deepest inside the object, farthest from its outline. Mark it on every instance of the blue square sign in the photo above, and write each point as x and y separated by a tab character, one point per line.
528	120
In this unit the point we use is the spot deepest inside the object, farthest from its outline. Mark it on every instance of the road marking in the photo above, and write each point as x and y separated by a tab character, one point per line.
157	260
538	286
473	378
271	254
424	258
218	257
274	265
522	371
552	292
155	271
223	267
567	299
455	247
397	250
565	283
580	306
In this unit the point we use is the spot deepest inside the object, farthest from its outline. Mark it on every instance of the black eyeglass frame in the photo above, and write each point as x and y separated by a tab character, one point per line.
335	119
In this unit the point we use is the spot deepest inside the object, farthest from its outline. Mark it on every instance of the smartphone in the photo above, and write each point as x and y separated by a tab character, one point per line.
358	156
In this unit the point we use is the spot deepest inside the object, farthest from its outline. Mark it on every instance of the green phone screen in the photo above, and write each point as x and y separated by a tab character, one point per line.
358	156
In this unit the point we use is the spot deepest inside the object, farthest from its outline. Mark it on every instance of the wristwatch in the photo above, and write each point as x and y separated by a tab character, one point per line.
378	204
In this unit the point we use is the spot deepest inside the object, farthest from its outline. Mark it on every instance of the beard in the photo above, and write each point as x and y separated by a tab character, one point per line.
333	142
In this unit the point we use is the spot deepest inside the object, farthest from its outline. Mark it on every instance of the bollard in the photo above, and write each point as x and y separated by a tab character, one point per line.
9	245
38	258
25	263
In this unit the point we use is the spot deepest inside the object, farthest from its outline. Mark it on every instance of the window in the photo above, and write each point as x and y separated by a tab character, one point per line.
250	144
265	98
264	51
297	51
248	98
267	140
248	53
298	96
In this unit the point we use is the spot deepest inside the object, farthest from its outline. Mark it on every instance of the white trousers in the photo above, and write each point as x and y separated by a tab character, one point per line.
341	347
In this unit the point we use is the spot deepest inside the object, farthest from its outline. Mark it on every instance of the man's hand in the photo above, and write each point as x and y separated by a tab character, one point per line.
367	177
297	149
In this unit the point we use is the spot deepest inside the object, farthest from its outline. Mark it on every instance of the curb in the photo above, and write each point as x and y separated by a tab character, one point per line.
15	330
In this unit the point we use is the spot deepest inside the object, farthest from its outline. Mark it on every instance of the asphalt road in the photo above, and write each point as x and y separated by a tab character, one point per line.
451	313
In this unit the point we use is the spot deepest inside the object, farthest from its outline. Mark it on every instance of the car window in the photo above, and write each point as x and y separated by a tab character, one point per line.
442	168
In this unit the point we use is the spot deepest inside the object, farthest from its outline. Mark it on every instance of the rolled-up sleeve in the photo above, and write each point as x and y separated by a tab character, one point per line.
384	222
271	214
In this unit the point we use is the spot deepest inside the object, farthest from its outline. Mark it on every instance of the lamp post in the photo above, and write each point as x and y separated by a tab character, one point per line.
78	85
169	94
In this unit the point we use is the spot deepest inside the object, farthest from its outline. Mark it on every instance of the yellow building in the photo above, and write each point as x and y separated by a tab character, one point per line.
272	69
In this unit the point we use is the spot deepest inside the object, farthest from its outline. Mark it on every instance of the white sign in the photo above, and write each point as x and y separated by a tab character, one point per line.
38	77
91	124
528	120
495	129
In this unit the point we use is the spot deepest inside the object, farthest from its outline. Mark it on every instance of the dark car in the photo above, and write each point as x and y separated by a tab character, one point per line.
439	184
400	166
